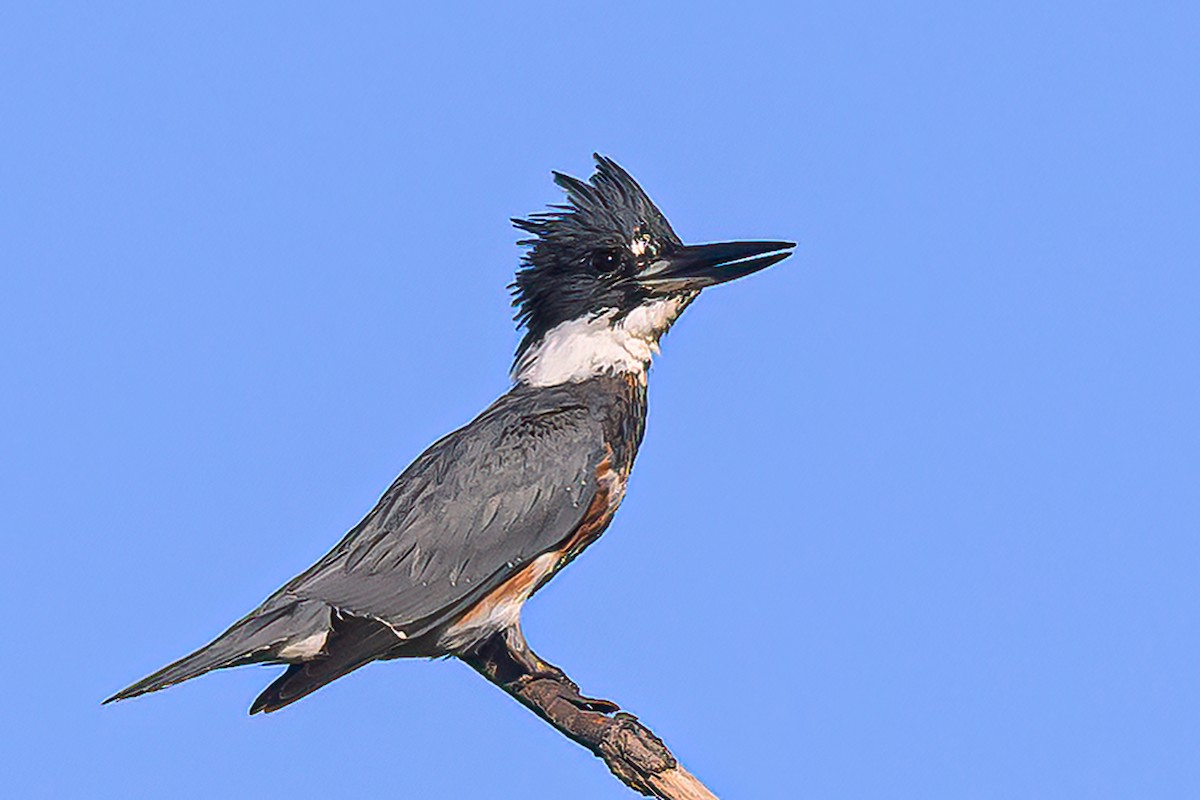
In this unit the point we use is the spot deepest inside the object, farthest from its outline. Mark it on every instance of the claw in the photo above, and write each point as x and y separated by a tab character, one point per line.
595	704
566	689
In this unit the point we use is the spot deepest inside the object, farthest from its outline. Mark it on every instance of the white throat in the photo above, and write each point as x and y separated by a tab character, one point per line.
579	349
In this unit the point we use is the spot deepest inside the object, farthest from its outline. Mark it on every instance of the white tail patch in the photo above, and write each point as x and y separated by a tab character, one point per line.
304	649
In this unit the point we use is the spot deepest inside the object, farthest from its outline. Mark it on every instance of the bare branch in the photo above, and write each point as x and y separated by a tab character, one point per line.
631	750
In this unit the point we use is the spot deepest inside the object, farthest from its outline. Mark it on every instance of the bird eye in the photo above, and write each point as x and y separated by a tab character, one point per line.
605	261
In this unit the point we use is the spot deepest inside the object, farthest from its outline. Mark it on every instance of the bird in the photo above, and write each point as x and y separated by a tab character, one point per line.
444	562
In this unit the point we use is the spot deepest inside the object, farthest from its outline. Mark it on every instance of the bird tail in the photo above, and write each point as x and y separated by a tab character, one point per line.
354	642
254	638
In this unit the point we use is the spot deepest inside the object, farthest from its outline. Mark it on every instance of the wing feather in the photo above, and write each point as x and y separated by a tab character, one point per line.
466	515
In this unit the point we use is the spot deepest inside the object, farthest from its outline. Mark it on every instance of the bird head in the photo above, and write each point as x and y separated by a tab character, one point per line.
605	276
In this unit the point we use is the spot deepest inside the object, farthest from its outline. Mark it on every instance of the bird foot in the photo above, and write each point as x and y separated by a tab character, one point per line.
567	690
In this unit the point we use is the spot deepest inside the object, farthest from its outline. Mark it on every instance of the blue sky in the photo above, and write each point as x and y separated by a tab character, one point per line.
917	512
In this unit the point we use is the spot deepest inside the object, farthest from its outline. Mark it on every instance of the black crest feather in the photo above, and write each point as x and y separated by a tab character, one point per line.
609	210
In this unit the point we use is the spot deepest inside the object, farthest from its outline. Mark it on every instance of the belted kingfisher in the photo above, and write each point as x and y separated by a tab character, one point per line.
470	530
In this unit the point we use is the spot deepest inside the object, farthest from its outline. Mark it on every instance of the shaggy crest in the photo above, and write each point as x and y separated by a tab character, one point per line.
558	279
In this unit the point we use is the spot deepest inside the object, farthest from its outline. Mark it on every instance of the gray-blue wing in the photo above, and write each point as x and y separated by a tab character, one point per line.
464	516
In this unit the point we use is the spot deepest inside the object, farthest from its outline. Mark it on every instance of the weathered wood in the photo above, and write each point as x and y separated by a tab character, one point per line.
631	750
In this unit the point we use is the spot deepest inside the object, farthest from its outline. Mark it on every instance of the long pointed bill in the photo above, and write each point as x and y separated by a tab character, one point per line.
701	265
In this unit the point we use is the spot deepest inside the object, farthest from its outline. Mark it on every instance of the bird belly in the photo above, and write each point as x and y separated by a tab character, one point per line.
501	608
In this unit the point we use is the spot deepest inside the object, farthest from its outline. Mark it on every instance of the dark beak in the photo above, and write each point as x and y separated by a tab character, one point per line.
697	266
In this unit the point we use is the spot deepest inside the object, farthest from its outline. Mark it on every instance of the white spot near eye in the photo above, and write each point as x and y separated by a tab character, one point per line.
640	245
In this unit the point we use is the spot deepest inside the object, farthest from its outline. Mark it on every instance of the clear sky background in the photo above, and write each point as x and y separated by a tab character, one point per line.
918	511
